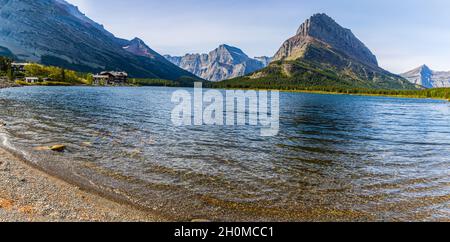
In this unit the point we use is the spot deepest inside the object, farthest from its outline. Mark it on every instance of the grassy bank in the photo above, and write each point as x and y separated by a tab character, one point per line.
435	93
47	83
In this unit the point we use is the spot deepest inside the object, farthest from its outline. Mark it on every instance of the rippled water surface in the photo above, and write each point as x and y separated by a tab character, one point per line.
335	158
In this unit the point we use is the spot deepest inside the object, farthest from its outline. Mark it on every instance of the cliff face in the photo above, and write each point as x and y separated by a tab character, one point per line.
324	54
54	32
223	63
428	78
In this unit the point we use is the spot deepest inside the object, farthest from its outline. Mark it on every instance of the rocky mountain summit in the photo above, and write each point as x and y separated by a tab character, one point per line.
138	47
54	32
324	54
323	29
428	78
223	63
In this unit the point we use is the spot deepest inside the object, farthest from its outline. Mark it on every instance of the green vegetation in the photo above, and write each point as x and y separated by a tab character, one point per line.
153	82
437	93
6	68
303	75
51	75
309	76
181	82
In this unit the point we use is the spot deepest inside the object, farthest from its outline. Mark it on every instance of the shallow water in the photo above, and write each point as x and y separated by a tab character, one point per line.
336	157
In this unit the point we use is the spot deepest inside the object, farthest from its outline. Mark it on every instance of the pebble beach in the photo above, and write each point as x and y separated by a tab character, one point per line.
30	195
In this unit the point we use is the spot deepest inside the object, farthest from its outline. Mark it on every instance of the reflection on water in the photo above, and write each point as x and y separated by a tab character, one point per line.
335	158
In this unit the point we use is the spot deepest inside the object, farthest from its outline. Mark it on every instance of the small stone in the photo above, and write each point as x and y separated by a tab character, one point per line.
200	221
6	204
27	210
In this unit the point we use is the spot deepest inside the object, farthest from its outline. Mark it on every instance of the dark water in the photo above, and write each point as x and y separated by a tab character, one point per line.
335	158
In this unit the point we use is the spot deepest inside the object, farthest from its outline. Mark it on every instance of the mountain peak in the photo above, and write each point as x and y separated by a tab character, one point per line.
228	53
138	47
426	77
230	49
322	46
137	40
225	46
222	63
317	20
55	32
425	68
322	29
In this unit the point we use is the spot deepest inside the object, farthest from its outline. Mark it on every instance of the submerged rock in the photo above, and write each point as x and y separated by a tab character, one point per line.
86	144
41	148
58	148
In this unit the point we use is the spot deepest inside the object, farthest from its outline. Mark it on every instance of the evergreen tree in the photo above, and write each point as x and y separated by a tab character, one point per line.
10	74
63	75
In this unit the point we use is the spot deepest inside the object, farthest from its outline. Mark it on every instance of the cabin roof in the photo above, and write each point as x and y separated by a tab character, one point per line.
100	76
114	73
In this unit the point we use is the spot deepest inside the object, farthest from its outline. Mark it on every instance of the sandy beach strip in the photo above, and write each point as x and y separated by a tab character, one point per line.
28	194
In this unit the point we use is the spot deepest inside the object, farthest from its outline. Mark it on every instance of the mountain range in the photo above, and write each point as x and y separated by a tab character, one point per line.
428	78
322	54
222	63
54	32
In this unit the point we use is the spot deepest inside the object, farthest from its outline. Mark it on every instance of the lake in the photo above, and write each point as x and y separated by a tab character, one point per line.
336	157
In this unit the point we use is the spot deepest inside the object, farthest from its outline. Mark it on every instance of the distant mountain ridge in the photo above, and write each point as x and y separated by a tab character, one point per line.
223	63
321	55
54	32
428	78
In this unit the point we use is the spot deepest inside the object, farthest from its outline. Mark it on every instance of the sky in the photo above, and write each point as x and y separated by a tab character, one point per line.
403	34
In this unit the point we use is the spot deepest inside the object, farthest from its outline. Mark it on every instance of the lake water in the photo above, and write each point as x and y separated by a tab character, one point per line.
335	158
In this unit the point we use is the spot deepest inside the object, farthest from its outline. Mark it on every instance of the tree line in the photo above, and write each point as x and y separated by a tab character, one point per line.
47	74
6	68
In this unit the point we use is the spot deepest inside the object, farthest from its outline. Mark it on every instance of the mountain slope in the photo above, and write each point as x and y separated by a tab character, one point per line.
323	54
428	78
223	63
264	59
54	32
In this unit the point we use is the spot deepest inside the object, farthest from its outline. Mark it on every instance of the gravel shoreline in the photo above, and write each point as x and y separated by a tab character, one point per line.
28	194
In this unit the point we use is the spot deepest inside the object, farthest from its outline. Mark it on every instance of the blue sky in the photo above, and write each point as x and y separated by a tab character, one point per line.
402	34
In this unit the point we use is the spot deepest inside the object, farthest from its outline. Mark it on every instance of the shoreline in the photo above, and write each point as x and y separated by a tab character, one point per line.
256	89
338	93
29	194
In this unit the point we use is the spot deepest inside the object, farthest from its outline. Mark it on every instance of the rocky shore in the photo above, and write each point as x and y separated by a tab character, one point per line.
28	194
4	83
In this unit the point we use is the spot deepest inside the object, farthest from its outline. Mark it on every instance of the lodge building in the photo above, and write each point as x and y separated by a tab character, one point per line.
19	67
110	78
